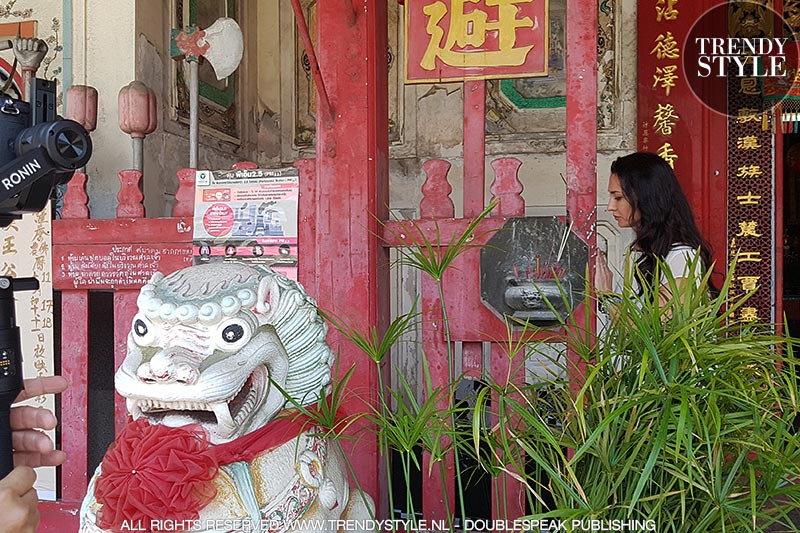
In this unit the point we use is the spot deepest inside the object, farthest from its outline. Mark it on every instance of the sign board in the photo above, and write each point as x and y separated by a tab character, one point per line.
248	216
115	266
457	40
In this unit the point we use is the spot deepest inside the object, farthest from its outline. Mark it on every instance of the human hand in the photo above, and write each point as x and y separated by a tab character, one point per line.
30	52
603	277
18	500
32	447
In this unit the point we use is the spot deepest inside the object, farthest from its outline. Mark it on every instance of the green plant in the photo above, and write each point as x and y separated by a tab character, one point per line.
683	418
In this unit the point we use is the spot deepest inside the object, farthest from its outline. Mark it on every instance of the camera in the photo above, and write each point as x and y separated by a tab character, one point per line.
38	151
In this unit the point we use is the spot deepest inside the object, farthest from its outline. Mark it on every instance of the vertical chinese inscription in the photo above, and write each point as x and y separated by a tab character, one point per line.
666	52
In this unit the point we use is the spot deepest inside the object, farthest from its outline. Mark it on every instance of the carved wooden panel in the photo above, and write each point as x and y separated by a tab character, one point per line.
536	105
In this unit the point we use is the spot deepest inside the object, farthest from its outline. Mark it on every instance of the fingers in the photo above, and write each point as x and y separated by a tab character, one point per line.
603	277
43	385
37	459
28	417
30	440
34	449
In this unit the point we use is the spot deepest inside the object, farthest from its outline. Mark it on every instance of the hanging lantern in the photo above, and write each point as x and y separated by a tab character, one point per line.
137	110
82	106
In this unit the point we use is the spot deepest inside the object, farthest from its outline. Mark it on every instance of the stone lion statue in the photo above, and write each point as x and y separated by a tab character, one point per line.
213	444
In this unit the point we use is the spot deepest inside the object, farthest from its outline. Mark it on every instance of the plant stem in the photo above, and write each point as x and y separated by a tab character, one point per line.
451	397
385	443
410	514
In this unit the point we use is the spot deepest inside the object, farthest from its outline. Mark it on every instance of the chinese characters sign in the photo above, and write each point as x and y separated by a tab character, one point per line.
660	86
750	193
455	40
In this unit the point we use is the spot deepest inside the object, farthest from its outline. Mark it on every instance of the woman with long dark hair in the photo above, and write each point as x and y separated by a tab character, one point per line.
645	195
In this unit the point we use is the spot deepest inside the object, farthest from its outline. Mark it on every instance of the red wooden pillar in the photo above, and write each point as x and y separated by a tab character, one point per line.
350	267
582	133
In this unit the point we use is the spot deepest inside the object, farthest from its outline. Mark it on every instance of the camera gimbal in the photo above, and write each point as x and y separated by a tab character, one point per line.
37	153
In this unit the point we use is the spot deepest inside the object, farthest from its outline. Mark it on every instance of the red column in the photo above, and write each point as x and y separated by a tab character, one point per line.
350	274
582	131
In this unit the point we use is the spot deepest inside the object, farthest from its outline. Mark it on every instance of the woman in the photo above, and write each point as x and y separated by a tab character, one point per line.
645	195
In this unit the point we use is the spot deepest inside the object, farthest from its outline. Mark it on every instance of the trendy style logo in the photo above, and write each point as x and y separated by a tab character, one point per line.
740	47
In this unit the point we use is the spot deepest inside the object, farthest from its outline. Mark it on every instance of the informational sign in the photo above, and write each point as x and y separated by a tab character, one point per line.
248	216
25	249
115	266
456	40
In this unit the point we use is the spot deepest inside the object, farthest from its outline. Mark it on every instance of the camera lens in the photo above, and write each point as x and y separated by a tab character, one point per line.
67	142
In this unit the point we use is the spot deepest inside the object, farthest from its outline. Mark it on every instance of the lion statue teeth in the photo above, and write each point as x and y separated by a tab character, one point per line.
213	443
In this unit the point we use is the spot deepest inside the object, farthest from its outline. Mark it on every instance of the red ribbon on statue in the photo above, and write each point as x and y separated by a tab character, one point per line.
152	471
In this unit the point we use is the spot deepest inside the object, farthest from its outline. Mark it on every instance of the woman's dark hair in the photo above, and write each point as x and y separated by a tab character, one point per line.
666	219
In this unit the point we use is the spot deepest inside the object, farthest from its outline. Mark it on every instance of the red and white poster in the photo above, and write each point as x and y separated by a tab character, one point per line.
248	216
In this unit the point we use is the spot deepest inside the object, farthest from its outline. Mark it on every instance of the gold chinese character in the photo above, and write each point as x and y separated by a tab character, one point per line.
666	47
749	86
8	269
471	29
40	233
748	229
749	171
664	119
748	114
667	154
748	257
666	77
749	282
748	142
9	246
748	314
749	199
668	12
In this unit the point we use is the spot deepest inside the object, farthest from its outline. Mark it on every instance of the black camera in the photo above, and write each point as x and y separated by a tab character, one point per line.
38	151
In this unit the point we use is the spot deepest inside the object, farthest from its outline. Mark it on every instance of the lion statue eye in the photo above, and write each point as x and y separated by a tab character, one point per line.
143	331
140	327
233	334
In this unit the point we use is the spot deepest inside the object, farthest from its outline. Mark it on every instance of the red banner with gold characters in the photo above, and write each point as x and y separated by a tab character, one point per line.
706	59
456	40
664	96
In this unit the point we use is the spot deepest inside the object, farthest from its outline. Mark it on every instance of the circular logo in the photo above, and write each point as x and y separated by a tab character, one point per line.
733	47
218	220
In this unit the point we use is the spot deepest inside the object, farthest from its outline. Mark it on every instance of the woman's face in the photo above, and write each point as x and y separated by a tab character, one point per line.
619	206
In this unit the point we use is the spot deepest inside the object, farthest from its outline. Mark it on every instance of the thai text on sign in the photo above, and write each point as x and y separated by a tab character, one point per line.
456	40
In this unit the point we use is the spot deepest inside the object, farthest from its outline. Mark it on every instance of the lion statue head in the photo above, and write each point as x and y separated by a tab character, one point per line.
223	345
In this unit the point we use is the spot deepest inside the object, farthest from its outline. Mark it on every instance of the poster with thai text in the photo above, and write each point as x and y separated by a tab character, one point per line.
248	216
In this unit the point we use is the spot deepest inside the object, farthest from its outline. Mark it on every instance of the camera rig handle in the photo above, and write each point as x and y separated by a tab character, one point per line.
11	383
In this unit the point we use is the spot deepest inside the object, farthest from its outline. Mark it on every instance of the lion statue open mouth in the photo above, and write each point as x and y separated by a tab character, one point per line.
213	353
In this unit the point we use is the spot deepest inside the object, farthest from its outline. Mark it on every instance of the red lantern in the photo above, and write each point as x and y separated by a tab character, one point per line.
137	110
82	106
